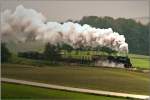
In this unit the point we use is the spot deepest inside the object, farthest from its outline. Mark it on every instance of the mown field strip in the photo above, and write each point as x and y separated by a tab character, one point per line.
97	92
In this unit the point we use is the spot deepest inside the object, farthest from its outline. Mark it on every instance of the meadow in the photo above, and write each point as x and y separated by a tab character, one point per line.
142	63
99	78
29	92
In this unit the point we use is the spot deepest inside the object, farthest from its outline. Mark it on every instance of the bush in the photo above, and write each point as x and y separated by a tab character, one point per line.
52	52
5	54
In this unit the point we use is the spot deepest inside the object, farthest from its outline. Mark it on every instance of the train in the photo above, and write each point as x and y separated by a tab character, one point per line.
94	60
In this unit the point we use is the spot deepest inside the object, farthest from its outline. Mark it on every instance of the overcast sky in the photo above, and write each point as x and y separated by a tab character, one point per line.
63	10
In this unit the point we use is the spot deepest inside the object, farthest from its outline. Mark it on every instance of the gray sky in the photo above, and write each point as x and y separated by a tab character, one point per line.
63	10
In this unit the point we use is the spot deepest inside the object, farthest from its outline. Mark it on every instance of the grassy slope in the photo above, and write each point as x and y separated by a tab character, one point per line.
15	91
117	80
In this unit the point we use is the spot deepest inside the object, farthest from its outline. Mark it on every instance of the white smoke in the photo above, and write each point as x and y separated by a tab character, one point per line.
107	63
27	24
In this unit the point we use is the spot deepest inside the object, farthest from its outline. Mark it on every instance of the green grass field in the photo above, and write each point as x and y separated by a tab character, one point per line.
108	79
16	91
141	63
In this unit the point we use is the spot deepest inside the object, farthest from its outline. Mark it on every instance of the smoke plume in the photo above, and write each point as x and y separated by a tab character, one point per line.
29	25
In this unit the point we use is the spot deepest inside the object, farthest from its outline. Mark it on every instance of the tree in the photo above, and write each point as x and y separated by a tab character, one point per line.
66	47
5	54
108	50
52	52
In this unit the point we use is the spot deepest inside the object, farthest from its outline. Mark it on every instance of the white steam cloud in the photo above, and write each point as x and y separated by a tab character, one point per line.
29	25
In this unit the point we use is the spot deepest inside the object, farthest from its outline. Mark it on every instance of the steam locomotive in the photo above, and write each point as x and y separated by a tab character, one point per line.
112	61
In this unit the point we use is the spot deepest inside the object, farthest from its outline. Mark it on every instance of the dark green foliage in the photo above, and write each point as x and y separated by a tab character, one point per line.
136	34
31	55
108	50
52	52
5	54
66	47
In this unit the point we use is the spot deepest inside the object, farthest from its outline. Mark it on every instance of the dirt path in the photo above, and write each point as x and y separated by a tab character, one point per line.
97	92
